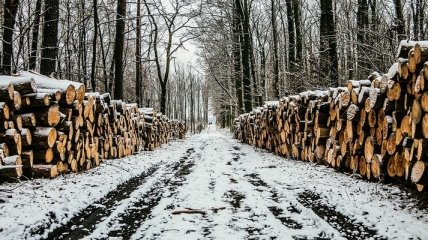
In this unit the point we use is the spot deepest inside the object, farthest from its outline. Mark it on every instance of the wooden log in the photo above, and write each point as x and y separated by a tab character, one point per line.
39	99
425	125
371	118
46	171
48	117
353	112
392	166
6	91
4	149
10	136
16	102
424	101
369	148
26	138
67	88
17	121
44	137
23	85
420	173
422	149
414	58
4	111
403	69
12	167
28	120
376	166
27	158
419	47
362	166
416	112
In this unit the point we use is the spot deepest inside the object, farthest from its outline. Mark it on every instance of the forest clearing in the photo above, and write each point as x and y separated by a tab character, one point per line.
214	119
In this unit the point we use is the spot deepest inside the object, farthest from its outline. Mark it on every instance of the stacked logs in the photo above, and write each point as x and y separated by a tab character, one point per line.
49	127
376	127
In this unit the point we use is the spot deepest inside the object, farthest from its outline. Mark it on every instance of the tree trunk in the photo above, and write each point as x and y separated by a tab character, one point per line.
94	47
400	24
35	39
328	46
118	49
243	8
10	10
299	38
163	86
257	98
363	28
275	51
291	35
422	6
50	37
237	57
82	45
138	85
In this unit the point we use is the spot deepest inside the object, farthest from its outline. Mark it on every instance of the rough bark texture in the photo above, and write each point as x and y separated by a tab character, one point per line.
400	27
35	37
237	58
94	47
275	51
118	49
328	46
10	10
50	37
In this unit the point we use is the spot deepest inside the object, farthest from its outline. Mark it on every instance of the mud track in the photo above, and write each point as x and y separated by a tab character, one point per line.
84	223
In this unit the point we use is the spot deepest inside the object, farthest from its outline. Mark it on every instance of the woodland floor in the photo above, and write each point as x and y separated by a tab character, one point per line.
241	192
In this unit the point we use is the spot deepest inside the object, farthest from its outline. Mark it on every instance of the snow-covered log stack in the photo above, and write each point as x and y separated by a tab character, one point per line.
377	127
50	126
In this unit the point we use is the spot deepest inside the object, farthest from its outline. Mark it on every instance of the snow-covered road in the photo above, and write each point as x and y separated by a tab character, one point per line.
229	190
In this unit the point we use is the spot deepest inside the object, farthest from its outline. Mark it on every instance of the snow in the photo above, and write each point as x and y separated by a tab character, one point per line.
244	192
28	205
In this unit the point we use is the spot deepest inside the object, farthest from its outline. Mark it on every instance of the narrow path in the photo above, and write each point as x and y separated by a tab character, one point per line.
240	193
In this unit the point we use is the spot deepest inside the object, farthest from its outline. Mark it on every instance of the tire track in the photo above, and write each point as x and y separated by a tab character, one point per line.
85	221
347	226
278	212
140	211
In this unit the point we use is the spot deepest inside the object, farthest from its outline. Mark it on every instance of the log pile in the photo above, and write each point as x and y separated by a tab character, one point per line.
49	127
376	127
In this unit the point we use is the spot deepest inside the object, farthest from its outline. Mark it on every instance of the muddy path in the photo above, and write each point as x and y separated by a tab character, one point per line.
244	193
346	226
84	223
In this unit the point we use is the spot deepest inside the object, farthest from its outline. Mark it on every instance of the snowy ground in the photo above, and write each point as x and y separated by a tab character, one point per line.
241	192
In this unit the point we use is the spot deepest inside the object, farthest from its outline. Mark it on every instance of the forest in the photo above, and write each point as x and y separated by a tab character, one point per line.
188	57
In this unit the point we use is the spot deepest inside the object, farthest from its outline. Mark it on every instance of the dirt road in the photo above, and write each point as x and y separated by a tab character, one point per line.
228	190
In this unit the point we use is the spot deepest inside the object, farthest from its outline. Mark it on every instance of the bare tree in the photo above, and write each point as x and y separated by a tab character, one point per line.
138	85
328	45
50	37
10	10
118	49
35	35
94	45
175	22
275	50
